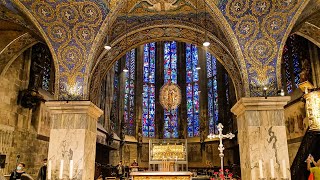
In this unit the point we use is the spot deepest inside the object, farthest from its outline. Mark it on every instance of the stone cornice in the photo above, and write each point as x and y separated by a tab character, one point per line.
74	107
259	104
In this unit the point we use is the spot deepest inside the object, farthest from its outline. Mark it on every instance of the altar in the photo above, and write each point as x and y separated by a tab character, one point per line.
168	155
156	175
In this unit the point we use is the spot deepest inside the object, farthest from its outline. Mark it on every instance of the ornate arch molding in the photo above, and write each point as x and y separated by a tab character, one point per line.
162	32
213	10
310	32
14	49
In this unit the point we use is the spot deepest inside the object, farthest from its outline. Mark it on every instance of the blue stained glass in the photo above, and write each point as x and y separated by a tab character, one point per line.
170	75
148	109
114	123
212	85
192	90
128	114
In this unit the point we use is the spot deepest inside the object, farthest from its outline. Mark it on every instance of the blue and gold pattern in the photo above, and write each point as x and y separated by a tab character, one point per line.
260	26
71	27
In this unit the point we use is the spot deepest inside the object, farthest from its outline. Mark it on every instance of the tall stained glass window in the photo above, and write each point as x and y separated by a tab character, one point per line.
129	118
148	108
192	90
170	75
212	85
115	103
295	57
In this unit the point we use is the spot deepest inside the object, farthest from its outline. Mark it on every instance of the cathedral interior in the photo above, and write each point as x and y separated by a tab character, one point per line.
87	84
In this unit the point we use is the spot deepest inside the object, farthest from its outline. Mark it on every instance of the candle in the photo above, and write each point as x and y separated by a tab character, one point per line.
71	169
61	169
49	170
272	168
284	169
260	168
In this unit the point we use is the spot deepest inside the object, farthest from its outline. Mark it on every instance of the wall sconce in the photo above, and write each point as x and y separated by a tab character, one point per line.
265	88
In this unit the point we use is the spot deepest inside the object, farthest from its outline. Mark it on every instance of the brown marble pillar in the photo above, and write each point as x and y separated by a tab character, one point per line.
262	136
73	137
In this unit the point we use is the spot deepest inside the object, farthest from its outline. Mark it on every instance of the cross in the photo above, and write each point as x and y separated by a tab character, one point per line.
221	136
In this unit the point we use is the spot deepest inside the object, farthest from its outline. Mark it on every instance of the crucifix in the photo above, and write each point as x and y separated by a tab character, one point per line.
221	136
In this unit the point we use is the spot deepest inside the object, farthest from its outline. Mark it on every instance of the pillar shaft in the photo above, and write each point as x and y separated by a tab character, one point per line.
262	136
73	137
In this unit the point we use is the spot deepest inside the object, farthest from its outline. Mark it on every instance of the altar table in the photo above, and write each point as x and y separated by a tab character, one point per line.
158	175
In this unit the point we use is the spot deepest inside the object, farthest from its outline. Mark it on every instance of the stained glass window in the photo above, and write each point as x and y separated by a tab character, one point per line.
129	119
212	85
170	75
192	90
114	109
148	108
295	54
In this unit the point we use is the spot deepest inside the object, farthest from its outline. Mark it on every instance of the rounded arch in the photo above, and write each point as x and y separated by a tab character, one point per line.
164	32
211	9
38	27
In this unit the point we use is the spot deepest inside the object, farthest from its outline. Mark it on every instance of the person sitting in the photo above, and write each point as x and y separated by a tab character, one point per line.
17	173
315	170
134	166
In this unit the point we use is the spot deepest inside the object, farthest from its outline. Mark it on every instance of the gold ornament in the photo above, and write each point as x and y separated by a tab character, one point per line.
170	96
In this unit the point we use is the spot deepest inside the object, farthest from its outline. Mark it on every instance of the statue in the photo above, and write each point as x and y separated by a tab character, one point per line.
305	71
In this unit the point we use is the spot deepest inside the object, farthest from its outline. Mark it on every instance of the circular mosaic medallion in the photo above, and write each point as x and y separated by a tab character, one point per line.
261	7
67	13
287	5
58	32
248	26
170	96
262	50
274	24
91	13
236	8
83	33
43	12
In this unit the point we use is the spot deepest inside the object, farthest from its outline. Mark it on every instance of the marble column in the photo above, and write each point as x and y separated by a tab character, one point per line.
73	139
262	136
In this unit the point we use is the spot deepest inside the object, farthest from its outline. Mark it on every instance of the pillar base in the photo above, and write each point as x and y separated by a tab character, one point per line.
72	143
262	136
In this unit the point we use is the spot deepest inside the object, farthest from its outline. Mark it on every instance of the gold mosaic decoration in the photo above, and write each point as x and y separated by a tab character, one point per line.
170	96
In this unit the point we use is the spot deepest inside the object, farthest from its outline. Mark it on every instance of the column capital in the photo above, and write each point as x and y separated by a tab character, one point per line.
259	104
74	107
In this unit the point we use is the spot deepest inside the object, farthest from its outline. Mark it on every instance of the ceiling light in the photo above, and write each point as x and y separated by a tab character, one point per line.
107	46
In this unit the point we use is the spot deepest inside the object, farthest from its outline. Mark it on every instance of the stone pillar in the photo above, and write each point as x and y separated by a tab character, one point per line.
73	137
262	136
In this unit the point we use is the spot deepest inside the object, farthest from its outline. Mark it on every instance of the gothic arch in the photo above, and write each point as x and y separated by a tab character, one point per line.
164	32
284	39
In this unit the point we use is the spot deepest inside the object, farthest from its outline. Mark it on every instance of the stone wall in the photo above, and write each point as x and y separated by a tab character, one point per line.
18	132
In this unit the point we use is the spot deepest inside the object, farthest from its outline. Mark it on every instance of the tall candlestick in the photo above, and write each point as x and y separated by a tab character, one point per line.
71	169
272	168
284	169
49	170
260	169
61	169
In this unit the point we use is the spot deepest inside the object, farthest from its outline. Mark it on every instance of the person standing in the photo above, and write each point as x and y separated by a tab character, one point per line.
315	170
17	173
120	170
42	175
